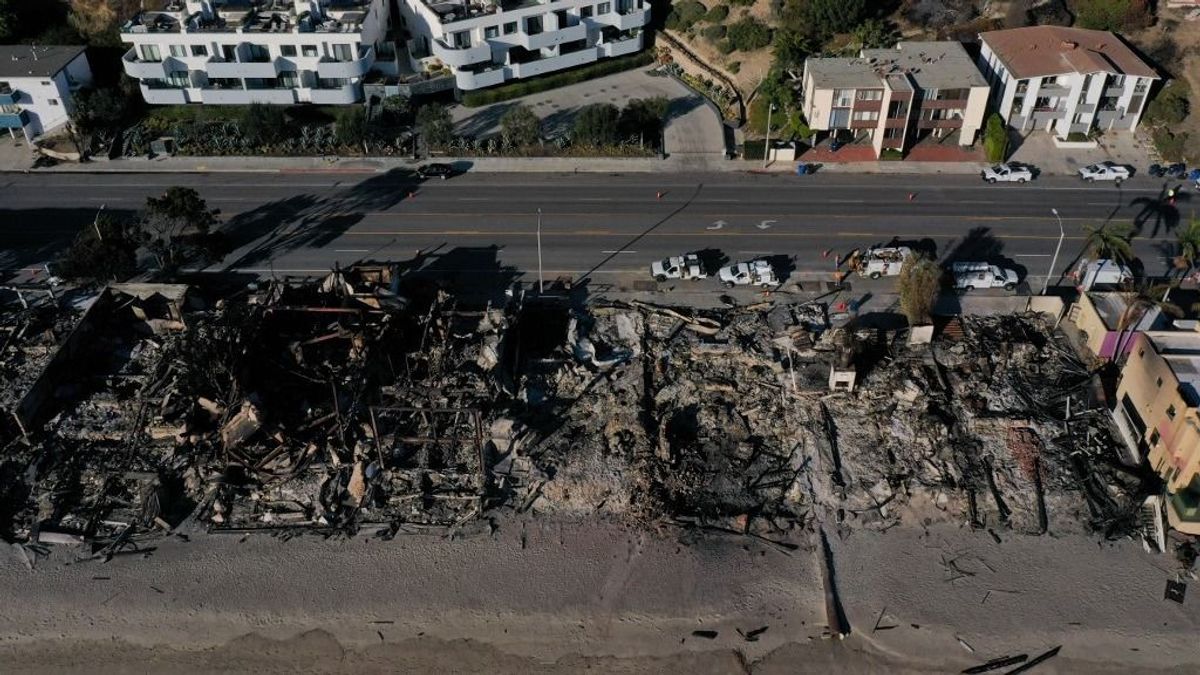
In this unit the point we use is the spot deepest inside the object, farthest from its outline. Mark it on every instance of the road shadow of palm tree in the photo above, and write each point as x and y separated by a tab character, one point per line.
981	245
1161	213
305	221
638	237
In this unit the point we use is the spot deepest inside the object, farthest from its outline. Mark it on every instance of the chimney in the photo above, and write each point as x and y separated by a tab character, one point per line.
1069	44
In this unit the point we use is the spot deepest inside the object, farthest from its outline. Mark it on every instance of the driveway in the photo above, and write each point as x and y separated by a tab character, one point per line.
1037	148
694	134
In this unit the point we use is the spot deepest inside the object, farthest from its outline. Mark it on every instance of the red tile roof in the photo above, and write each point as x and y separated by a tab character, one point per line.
1039	51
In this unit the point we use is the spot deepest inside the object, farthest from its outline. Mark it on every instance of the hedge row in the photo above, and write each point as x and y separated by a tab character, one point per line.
537	85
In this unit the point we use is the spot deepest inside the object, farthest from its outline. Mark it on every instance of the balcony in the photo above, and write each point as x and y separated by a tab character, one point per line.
237	69
540	66
549	38
15	120
344	95
150	70
621	47
164	95
9	96
341	70
464	56
627	19
467	80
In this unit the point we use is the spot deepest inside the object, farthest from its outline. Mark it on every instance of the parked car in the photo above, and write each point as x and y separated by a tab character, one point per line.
1105	171
756	272
1176	170
1102	272
678	267
436	170
971	275
881	262
1009	172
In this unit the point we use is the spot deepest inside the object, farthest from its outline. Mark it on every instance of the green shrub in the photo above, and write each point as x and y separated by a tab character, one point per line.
435	125
536	85
995	139
685	14
717	14
520	126
823	18
714	33
734	67
891	155
1172	147
351	126
263	124
597	124
1077	137
725	47
1113	15
749	34
1170	106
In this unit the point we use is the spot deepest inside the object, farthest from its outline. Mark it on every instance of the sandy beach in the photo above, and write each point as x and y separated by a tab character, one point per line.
556	596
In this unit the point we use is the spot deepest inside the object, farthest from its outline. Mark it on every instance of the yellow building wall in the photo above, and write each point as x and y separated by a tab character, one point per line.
1088	320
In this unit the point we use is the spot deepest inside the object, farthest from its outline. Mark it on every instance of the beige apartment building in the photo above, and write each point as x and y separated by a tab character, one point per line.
897	97
1158	402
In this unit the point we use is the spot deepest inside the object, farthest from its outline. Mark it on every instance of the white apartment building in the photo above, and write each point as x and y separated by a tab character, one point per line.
37	87
897	97
487	42
265	51
1065	80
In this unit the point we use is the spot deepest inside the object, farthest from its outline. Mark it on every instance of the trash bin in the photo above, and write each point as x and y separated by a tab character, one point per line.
801	169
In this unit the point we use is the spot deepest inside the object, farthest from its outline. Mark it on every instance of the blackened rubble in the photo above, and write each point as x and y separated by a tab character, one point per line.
369	399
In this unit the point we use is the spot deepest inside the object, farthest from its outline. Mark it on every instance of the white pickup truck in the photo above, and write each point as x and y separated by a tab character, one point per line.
882	262
971	275
678	267
756	272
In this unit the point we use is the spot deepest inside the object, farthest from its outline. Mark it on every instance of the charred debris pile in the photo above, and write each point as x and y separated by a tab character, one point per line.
369	401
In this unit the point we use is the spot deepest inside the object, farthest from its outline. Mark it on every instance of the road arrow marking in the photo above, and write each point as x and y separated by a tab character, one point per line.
766	224
717	225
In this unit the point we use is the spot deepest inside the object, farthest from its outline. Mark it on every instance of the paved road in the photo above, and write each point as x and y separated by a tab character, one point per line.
596	224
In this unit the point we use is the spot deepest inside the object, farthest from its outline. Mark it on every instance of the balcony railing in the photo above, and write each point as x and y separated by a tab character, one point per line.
9	96
15	120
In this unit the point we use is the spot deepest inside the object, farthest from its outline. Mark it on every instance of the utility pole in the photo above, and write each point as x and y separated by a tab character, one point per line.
1054	260
767	145
96	222
541	283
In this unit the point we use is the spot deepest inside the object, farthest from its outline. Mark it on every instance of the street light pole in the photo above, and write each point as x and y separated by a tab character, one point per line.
1054	260
767	145
541	283
96	222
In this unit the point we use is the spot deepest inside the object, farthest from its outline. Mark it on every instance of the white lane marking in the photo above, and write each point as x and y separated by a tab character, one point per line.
1031	255
622	251
351	250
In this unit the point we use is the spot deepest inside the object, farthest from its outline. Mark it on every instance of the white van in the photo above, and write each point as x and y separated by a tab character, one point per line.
1103	272
971	275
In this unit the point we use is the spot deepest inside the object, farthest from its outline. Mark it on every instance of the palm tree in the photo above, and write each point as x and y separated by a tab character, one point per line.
1188	238
1110	240
1140	299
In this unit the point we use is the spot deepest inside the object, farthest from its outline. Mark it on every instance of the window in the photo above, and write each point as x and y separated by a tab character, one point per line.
1154	437
341	53
586	12
178	50
52	101
229	52
533	25
288	79
604	8
149	53
308	50
869	95
866	115
510	27
287	50
897	109
490	32
1171	412
842	98
178	79
1118	81
894	132
199	50
1079	118
259	53
461	39
332	83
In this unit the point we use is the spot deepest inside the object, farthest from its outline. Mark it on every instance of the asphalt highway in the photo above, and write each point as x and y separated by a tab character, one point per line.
601	224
